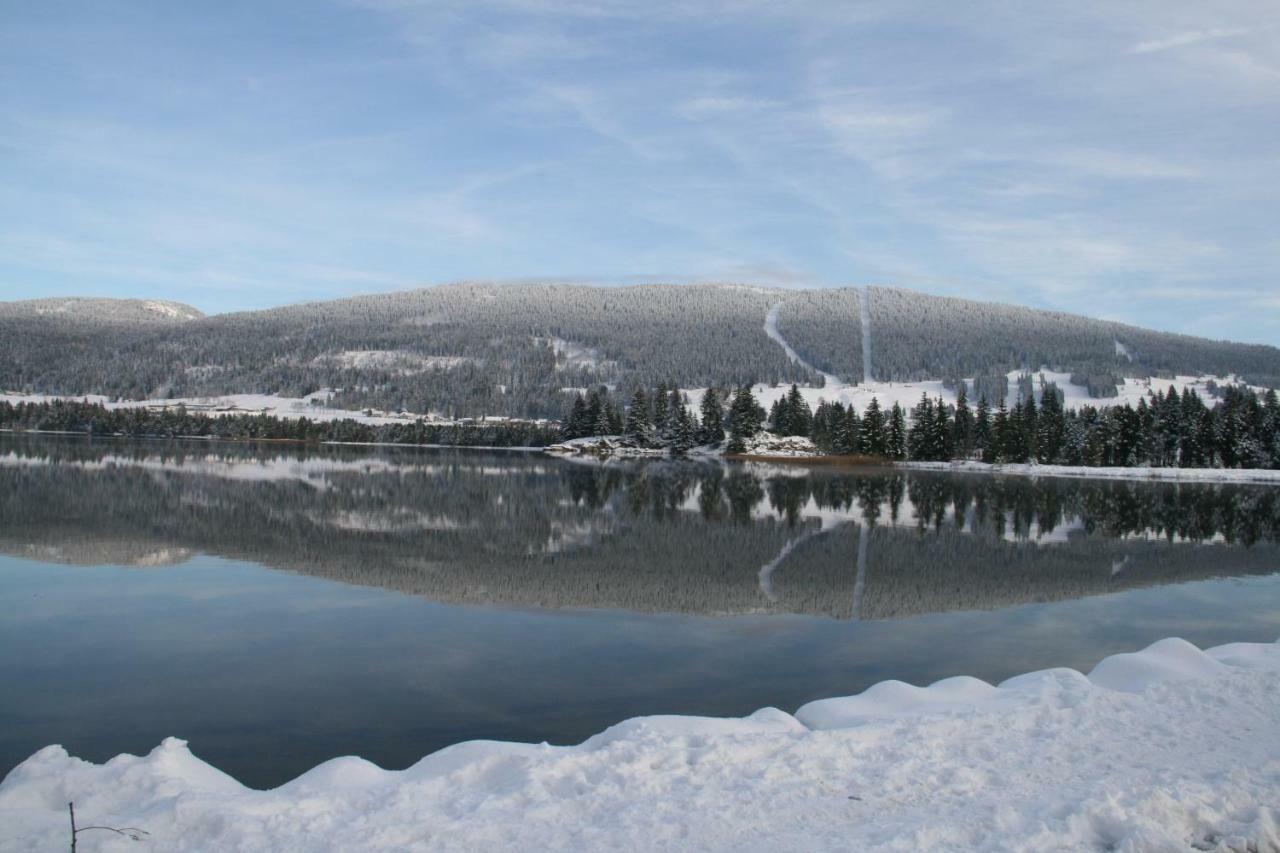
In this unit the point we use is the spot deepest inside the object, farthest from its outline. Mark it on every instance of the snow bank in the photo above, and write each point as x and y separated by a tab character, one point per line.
1183	475
768	444
1170	748
606	446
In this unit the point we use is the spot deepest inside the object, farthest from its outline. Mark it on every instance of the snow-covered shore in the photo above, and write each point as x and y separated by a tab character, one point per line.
1170	748
1181	475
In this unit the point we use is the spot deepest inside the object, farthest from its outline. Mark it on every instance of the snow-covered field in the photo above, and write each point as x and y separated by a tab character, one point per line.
907	394
1170	748
313	406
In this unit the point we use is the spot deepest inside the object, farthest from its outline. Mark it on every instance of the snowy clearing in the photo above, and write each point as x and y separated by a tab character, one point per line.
313	406
1170	748
401	362
907	394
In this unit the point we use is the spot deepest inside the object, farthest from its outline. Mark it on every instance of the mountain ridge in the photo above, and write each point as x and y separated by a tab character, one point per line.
514	348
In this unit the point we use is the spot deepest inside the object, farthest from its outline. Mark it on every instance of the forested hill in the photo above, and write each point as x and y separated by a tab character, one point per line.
509	349
90	311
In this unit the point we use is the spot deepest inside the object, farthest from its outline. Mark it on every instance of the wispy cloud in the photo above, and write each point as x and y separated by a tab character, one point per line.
1188	38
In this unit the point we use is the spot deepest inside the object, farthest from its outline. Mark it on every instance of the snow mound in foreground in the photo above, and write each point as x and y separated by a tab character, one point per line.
1169	748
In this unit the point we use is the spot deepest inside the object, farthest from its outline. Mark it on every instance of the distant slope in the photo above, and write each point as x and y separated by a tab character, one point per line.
68	344
916	336
511	349
100	311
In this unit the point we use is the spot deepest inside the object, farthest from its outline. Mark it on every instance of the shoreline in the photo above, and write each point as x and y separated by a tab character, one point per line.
1256	476
1049	759
1263	476
301	442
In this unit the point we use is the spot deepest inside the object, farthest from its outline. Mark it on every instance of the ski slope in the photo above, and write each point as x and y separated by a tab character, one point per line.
907	394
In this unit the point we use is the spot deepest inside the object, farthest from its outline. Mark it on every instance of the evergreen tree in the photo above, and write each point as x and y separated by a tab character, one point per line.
604	419
897	433
1271	427
614	418
577	424
821	430
848	440
799	417
685	429
745	418
712	417
594	421
1050	425
779	419
661	409
940	434
1192	445
997	449
918	436
1030	429
982	435
638	425
962	437
874	439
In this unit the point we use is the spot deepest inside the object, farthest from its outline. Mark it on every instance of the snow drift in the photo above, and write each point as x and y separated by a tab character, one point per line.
1169	748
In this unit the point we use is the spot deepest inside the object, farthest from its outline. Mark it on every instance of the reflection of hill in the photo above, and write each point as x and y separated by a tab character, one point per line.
523	530
96	552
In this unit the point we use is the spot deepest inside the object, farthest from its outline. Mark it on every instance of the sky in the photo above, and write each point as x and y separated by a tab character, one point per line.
1116	159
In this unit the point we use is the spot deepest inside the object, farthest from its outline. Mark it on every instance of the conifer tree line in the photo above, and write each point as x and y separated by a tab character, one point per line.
175	422
1172	429
662	417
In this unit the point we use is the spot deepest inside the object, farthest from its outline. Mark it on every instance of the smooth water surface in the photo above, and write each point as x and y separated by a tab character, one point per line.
279	606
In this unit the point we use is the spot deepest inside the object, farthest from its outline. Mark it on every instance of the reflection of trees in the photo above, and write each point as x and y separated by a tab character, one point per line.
527	530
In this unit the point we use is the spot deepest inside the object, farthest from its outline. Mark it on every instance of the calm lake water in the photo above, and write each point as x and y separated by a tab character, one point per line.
281	606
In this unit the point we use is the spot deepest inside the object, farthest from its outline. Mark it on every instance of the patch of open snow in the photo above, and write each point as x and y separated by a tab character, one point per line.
313	406
907	394
169	309
1168	748
402	362
573	356
767	444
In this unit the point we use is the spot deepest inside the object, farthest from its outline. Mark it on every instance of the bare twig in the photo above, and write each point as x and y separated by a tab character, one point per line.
131	832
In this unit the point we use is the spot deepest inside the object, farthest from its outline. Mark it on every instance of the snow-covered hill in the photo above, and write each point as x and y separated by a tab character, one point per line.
101	311
475	349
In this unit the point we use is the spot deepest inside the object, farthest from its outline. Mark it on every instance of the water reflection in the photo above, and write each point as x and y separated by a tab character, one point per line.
530	531
622	590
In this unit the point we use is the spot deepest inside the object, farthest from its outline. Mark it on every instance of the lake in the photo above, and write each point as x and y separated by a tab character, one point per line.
277	605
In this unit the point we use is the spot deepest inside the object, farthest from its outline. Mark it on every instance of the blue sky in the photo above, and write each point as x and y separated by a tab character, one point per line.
1115	159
